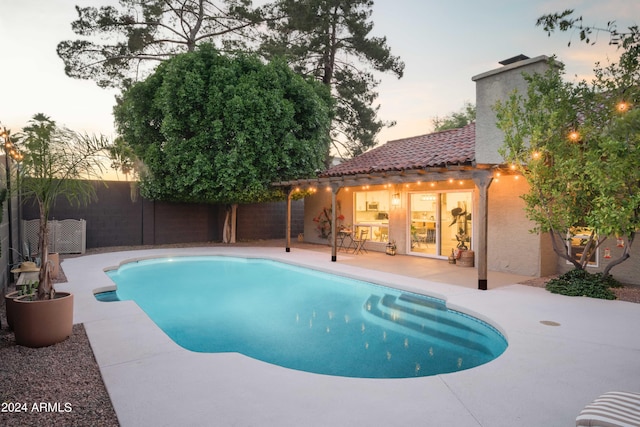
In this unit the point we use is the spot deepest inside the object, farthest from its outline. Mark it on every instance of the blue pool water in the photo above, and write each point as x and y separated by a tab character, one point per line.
304	319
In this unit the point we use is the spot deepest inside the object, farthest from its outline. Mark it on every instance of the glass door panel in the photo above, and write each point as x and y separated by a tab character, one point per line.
455	223
440	222
423	217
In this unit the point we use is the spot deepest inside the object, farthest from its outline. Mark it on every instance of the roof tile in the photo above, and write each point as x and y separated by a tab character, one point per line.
439	149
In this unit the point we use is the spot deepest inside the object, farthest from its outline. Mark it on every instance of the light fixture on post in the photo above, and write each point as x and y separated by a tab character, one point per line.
395	200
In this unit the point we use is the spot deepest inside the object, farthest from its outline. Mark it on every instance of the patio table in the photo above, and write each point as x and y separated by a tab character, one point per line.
345	234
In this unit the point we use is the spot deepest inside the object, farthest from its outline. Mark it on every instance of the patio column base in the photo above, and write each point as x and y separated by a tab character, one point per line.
482	284
334	258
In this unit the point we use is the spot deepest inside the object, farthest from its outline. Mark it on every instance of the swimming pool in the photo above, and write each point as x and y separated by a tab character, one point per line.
304	319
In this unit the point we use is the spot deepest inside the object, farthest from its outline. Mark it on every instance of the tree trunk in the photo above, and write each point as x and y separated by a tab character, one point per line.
626	253
44	277
562	250
229	230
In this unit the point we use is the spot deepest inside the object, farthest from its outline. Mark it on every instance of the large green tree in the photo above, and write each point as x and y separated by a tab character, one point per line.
578	145
120	45
331	41
220	129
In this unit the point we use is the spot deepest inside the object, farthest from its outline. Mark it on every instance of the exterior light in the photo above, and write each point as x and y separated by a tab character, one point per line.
512	166
622	106
395	199
450	180
535	155
574	136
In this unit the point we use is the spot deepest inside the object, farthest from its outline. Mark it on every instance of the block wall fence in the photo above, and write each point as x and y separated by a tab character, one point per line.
121	217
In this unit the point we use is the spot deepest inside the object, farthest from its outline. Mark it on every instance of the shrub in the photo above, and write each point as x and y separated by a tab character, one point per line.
581	283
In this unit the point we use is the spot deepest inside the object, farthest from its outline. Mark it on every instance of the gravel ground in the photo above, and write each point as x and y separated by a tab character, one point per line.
59	385
62	385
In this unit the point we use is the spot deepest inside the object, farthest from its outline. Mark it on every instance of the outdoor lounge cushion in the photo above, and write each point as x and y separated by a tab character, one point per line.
613	409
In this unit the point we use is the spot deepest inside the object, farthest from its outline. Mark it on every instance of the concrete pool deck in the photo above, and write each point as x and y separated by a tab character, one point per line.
549	372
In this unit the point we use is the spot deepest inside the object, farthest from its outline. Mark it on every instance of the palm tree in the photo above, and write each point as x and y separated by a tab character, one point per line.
57	162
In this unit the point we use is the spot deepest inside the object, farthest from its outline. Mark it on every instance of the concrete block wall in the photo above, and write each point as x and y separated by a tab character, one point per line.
268	220
120	217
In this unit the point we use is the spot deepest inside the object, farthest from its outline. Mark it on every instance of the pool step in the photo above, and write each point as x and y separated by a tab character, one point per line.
421	310
419	319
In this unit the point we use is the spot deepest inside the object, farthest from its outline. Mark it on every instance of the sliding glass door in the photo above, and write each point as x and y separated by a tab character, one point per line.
440	222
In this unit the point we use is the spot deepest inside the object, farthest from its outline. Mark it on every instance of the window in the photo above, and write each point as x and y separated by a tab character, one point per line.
372	213
577	240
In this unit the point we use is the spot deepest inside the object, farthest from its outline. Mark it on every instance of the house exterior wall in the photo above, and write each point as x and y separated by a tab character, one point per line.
511	247
313	205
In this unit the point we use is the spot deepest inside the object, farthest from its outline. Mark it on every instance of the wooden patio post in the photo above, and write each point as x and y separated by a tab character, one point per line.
482	180
288	221
335	189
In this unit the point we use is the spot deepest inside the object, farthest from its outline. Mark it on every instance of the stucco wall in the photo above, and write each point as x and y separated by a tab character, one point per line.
313	205
511	248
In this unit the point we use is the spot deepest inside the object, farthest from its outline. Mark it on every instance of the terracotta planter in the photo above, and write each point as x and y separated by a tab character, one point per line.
9	303
43	323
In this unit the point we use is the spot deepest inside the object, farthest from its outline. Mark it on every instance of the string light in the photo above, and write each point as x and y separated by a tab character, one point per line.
574	136
622	106
9	148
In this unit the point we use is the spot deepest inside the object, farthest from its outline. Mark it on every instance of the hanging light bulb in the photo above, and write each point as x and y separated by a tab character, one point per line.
574	136
622	106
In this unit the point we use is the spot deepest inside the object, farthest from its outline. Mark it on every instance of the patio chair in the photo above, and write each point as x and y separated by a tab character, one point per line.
612	409
359	241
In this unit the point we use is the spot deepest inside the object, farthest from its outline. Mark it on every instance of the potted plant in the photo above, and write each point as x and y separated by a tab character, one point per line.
26	288
55	162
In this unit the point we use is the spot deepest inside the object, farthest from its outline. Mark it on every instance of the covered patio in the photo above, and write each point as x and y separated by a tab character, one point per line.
443	161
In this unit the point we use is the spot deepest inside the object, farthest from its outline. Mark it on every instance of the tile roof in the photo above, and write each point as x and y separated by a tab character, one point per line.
439	149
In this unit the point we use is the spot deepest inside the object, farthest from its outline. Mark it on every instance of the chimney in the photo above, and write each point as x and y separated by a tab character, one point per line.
495	85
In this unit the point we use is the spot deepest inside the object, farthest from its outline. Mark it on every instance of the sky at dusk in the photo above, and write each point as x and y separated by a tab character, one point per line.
443	44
